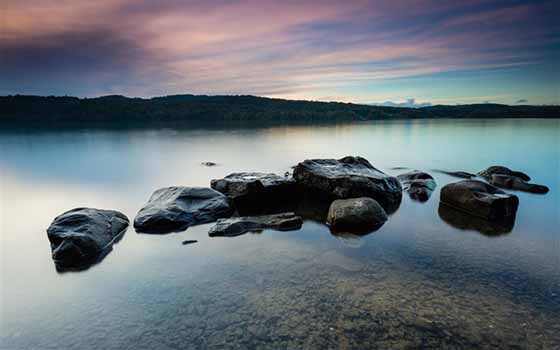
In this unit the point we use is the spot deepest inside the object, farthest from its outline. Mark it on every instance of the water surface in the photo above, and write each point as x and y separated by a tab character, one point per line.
418	282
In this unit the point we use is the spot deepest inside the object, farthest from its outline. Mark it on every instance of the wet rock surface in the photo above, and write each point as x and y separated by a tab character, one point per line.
419	185
516	183
172	209
83	236
459	174
479	199
349	177
240	225
356	215
257	190
502	170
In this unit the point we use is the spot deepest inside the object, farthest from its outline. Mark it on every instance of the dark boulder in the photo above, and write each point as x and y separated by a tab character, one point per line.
463	221
357	215
239	225
502	170
516	183
479	199
349	177
173	209
459	174
418	184
82	236
208	164
257	190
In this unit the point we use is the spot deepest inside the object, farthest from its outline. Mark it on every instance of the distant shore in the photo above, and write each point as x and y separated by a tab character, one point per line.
37	110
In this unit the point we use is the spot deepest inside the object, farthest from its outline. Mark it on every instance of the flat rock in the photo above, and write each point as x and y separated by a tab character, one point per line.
479	199
356	215
502	170
81	235
239	225
516	183
419	185
240	185
175	208
459	174
349	177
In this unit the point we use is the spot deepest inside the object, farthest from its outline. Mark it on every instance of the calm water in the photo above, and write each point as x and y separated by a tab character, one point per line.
418	282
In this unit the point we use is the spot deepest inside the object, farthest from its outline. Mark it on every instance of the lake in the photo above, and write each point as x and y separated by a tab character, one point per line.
420	281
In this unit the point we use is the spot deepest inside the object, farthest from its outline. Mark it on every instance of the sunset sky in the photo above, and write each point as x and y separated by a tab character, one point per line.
355	51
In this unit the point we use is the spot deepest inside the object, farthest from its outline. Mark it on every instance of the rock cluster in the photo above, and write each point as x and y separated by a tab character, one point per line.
350	194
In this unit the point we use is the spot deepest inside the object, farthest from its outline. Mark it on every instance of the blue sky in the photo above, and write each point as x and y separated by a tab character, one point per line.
355	51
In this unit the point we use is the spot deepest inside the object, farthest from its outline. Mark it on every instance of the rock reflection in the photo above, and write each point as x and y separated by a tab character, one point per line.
464	221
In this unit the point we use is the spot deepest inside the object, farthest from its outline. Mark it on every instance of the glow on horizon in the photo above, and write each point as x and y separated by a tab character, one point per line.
359	51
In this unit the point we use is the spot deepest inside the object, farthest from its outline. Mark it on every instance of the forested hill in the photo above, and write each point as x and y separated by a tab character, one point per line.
196	108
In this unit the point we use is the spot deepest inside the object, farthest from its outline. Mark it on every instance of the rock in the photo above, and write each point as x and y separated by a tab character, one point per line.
189	241
81	236
418	184
502	170
464	221
460	174
349	177
239	225
257	190
516	183
356	215
480	199
208	164
172	209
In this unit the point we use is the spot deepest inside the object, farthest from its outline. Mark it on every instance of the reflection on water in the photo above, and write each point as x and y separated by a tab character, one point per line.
420	281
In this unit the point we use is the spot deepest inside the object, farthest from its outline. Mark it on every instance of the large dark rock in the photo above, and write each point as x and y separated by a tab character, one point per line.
349	177
82	236
502	170
257	190
516	183
418	184
356	215
480	199
239	225
176	208
463	221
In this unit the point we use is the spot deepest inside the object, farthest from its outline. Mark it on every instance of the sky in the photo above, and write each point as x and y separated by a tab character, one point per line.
413	52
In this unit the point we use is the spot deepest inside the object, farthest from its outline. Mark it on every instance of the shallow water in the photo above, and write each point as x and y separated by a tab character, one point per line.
418	282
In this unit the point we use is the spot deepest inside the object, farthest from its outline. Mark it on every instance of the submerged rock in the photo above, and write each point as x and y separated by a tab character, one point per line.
480	199
209	164
249	190
418	184
349	177
239	225
81	237
172	209
516	183
356	215
502	170
459	174
464	221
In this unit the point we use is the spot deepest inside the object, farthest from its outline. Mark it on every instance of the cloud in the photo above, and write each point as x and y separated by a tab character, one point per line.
279	49
410	103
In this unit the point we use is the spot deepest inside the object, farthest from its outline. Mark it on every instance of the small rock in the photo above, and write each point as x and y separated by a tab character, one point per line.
418	184
189	241
356	215
516	183
239	225
502	170
209	164
460	174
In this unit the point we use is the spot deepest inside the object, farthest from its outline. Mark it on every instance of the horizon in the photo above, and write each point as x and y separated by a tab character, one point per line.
366	52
